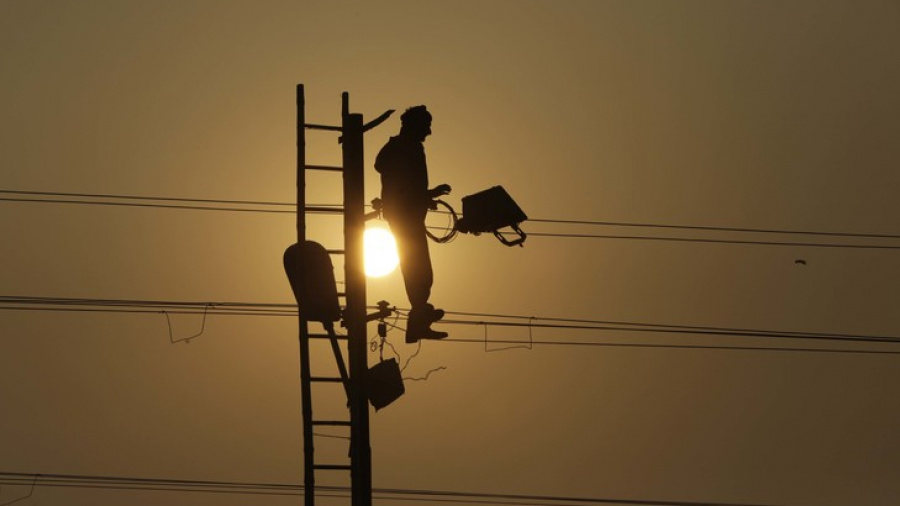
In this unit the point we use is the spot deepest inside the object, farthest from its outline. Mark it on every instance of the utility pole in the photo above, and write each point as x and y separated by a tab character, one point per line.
355	311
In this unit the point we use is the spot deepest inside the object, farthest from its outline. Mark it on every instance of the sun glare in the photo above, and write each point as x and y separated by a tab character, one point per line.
380	252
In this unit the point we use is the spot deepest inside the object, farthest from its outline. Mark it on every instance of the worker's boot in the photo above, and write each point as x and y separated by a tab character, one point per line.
415	335
433	314
419	326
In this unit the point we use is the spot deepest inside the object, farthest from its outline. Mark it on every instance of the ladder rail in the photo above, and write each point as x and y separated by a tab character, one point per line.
309	475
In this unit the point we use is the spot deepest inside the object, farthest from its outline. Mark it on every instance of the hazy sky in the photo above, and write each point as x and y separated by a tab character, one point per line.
764	115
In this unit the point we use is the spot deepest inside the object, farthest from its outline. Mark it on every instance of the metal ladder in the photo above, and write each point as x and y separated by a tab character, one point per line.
354	313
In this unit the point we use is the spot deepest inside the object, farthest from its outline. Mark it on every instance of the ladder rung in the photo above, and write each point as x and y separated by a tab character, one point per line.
332	423
332	467
327	379
314	126
329	168
326	336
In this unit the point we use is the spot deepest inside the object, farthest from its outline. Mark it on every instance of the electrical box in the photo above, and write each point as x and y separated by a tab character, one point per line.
384	383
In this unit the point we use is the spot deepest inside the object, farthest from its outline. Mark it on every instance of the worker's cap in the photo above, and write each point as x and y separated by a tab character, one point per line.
417	115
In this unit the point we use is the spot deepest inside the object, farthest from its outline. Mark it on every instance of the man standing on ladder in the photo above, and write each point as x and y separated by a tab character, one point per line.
407	198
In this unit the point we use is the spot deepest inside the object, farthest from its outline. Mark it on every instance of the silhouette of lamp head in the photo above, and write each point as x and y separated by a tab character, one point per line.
489	211
311	274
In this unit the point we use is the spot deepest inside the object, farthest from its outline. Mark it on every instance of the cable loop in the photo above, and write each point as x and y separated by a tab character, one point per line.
451	231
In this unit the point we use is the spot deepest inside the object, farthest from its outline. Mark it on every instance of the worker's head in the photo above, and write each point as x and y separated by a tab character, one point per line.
416	123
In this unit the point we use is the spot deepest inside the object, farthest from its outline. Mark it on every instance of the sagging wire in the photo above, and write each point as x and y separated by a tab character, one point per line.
186	340
413	355
30	492
397	353
424	378
391	326
527	346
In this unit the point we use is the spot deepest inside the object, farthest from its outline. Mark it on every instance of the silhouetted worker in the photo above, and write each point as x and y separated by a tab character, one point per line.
407	198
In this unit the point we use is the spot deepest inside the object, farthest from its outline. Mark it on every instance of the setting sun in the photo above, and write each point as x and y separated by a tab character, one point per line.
380	252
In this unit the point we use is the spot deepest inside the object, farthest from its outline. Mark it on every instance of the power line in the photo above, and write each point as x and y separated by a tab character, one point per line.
626	323
380	494
535	220
29	299
571	500
288	309
29	303
142	197
516	342
531	234
129	483
148	311
643	326
715	241
599	344
697	331
156	205
145	306
715	229
157	202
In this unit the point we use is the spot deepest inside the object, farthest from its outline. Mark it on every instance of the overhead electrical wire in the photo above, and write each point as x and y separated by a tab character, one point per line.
536	220
247	309
715	229
599	344
522	342
242	206
715	241
130	483
230	308
151	205
285	489
143	197
31	303
289	309
696	331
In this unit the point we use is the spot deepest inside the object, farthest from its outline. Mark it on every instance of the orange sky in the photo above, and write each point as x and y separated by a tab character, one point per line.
767	115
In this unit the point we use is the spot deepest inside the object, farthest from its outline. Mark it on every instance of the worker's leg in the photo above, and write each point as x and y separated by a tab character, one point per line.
415	261
415	264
